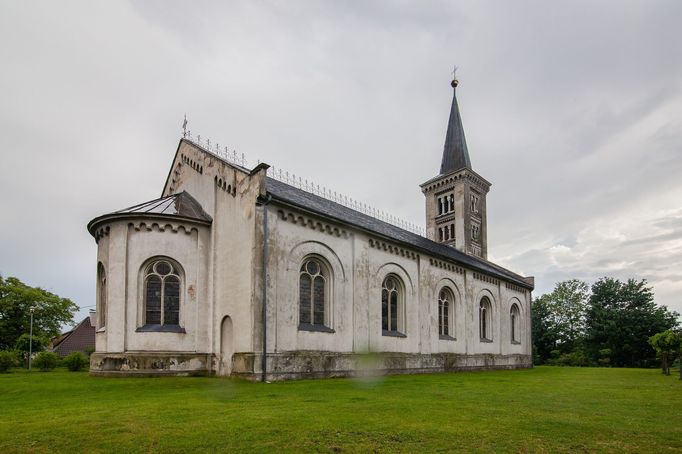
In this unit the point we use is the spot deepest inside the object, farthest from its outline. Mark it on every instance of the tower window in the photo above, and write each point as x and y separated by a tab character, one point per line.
475	232
452	231
474	203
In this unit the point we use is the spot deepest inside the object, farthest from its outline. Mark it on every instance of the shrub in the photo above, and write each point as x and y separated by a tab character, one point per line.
46	361
75	361
575	359
604	357
8	359
89	351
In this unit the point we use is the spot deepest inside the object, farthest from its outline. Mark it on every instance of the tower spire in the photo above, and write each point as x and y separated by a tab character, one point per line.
455	151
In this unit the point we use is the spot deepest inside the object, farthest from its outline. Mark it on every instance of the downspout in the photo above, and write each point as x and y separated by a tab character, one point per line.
268	198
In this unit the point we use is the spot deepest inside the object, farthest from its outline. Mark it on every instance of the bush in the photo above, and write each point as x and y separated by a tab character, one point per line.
46	361
8	359
75	361
575	359
89	351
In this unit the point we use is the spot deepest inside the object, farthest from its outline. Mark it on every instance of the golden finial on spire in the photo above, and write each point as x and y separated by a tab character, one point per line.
454	82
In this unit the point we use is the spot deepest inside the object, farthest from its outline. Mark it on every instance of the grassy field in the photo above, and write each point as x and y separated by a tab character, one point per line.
540	410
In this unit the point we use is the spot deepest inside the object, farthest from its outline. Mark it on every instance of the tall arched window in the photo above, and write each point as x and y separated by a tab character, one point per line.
162	293
515	321
485	319
101	296
446	312
392	300
313	293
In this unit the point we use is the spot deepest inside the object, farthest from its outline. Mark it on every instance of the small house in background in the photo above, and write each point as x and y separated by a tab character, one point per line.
80	339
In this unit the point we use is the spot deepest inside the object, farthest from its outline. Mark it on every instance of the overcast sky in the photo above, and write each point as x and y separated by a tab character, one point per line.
573	110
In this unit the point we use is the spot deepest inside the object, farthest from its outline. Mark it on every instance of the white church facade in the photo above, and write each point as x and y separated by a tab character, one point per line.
239	271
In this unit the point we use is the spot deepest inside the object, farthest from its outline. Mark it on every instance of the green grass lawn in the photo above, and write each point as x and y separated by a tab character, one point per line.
545	409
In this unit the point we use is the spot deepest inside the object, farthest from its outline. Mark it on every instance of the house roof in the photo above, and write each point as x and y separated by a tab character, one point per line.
455	151
76	340
299	198
180	205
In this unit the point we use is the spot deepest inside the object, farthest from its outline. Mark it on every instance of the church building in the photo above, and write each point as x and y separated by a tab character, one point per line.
250	272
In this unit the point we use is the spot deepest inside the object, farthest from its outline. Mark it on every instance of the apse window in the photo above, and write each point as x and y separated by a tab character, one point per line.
162	286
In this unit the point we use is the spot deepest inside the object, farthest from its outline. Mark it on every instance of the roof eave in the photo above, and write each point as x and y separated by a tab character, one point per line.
519	280
123	216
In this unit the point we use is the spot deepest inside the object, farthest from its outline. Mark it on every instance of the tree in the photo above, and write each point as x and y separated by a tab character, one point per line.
16	300
558	318
667	345
622	316
543	333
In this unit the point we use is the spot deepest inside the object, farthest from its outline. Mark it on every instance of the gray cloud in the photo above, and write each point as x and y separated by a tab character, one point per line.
572	110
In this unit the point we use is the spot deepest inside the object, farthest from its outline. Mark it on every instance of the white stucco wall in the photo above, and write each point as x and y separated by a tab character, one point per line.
359	263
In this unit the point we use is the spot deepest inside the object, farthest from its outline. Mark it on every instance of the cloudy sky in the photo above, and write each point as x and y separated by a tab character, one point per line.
573	110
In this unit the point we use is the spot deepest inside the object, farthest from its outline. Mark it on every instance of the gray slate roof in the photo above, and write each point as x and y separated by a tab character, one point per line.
180	204
297	197
455	151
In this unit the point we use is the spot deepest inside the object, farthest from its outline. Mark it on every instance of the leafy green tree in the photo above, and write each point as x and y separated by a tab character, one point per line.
621	317
16	300
668	345
543	331
24	341
558	319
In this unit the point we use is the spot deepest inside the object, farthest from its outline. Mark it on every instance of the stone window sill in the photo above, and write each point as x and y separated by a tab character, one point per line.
392	333
487	341
161	329
516	343
315	328
102	330
447	338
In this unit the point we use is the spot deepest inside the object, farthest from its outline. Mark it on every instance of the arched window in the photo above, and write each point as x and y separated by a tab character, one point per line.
392	297
446	313
485	319
101	296
162	286
313	296
515	320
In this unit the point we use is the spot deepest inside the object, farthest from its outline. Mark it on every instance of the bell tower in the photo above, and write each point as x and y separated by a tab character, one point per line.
456	198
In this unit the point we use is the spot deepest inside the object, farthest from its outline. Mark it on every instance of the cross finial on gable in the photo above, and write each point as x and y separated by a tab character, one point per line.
184	127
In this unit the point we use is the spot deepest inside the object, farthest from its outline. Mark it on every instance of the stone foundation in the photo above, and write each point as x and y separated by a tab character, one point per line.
316	364
150	364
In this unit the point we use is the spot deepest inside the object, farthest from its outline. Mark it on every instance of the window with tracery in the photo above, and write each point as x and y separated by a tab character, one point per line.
515	320
485	319
162	284
313	292
392	305
446	306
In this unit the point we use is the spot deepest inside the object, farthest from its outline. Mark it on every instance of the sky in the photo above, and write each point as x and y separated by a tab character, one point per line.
573	110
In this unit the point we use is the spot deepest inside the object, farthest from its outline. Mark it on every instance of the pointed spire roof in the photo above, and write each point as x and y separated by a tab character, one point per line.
455	152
